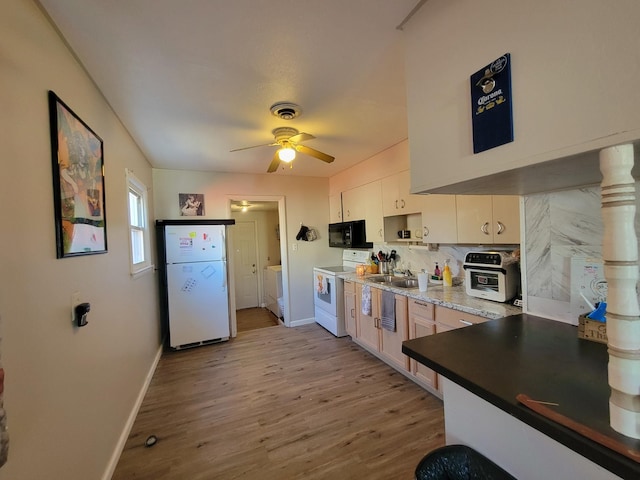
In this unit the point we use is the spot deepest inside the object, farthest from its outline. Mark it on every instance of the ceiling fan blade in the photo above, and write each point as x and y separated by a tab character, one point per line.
314	153
275	163
254	146
301	137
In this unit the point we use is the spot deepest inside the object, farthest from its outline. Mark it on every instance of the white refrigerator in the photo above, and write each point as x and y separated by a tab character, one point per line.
197	293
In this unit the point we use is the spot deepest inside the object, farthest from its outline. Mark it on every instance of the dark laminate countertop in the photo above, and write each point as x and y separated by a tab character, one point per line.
541	358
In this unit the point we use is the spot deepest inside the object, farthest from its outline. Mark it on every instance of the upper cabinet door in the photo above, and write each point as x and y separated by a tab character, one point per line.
487	219
335	208
439	219
365	203
396	199
506	219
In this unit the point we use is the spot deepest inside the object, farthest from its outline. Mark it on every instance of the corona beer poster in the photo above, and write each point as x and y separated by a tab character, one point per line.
491	105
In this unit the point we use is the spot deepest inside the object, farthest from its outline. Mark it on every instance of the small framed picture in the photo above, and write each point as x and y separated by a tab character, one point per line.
191	204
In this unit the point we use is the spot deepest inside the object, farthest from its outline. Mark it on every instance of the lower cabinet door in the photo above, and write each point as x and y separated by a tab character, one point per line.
367	325
391	342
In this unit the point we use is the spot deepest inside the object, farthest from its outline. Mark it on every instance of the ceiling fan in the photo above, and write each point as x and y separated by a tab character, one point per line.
289	141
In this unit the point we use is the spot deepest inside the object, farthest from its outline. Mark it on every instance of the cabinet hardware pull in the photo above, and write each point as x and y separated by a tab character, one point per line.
500	228
426	232
396	202
380	233
466	322
353	313
348	213
422	304
484	228
403	204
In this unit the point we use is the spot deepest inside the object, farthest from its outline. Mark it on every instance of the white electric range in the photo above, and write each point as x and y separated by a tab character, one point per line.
328	295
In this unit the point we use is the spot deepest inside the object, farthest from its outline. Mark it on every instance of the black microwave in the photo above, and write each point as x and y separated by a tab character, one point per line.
348	235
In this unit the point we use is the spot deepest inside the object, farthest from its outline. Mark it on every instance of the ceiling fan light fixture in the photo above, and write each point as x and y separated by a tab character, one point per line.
286	154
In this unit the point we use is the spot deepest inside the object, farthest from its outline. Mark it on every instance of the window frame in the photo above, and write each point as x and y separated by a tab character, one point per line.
135	185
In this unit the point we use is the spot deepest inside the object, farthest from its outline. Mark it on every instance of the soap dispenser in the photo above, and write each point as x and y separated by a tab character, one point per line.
436	271
447	281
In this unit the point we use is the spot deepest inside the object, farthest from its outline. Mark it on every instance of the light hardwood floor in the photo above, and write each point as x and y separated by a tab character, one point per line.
252	318
281	403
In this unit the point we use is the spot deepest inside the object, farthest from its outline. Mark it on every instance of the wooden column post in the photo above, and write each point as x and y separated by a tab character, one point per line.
620	254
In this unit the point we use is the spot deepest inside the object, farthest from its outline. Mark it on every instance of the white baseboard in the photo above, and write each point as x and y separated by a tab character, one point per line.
303	321
115	457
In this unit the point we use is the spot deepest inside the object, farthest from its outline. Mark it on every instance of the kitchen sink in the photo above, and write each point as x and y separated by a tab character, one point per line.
392	281
405	283
381	279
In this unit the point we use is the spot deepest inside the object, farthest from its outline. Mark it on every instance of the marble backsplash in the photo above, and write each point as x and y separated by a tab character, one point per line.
559	226
417	258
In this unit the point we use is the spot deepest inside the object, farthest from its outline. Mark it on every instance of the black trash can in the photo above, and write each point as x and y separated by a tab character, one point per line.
458	462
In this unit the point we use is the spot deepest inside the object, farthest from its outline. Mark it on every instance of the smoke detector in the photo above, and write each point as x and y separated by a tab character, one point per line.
285	111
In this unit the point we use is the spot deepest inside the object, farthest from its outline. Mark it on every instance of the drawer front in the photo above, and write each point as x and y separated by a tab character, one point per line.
456	319
349	287
421	309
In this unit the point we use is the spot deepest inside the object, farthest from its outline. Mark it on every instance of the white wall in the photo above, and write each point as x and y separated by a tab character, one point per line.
306	201
68	392
574	76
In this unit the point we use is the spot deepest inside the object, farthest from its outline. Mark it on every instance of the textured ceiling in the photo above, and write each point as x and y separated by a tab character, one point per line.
193	79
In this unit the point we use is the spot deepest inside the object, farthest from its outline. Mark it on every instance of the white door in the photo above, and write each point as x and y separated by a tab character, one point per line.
245	264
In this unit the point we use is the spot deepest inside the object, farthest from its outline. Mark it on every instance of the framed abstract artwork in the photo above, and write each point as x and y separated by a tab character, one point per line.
78	183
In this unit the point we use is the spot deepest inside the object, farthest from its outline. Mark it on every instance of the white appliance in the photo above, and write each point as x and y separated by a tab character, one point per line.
328	296
491	275
195	276
273	289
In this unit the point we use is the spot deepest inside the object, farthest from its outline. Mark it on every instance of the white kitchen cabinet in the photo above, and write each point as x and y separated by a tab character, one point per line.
371	335
335	208
422	324
396	196
450	319
273	288
439	219
488	219
391	342
367	325
350	308
365	203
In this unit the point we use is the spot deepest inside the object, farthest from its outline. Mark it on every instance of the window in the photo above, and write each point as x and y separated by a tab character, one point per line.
138	224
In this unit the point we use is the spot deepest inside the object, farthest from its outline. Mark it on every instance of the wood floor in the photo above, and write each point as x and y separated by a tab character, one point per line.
252	318
281	403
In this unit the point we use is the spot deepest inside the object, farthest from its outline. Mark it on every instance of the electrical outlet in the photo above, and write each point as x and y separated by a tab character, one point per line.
75	300
294	247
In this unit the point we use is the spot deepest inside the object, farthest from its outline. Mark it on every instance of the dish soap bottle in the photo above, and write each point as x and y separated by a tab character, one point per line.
447	281
436	271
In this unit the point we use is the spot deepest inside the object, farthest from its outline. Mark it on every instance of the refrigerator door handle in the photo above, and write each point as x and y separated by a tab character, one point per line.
224	244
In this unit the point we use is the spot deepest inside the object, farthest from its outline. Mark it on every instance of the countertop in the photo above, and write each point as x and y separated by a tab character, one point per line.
543	359
455	298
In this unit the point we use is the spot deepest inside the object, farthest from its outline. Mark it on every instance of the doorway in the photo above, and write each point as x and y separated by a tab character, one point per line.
255	245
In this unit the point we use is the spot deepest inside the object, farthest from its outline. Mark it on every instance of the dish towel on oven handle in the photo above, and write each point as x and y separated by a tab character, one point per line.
322	285
388	311
366	300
